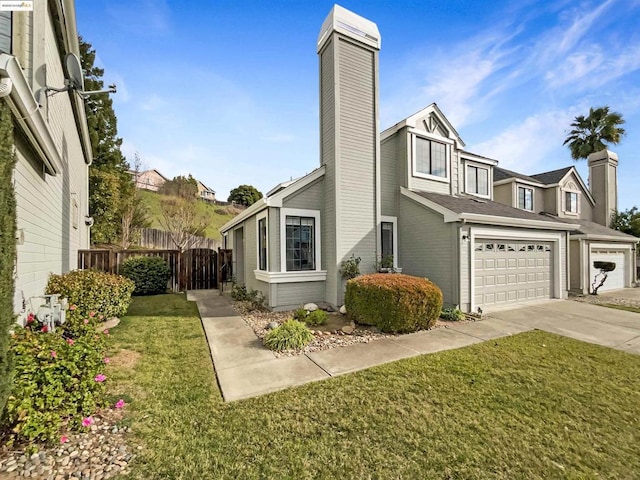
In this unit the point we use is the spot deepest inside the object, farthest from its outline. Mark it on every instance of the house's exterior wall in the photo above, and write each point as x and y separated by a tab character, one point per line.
290	296
150	180
464	253
50	209
310	198
273	231
23	39
427	247
5	31
551	201
575	265
603	182
503	193
573	184
390	180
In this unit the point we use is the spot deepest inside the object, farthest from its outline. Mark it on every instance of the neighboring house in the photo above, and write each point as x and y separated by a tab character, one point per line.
411	191
205	192
562	195
149	179
51	143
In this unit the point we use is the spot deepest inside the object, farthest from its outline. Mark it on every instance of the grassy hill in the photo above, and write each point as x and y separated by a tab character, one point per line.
216	215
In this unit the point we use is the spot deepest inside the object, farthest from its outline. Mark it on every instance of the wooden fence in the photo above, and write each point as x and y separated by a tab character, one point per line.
110	261
154	238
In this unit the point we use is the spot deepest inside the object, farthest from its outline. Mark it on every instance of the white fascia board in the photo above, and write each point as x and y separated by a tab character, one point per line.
252	210
582	184
477	158
277	199
607	238
448	215
29	116
516	222
520	180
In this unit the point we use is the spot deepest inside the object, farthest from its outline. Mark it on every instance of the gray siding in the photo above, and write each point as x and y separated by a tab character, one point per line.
575	265
427	185
503	194
5	32
427	247
389	181
273	232
311	197
250	253
551	201
465	271
289	296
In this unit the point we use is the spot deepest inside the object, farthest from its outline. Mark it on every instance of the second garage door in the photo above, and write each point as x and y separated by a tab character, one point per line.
511	271
615	279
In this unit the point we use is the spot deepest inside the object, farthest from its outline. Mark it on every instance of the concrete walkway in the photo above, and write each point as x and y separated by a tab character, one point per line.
245	368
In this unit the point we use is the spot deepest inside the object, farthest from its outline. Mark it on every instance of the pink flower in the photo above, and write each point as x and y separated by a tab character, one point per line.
70	341
64	439
106	359
101	317
92	314
54	354
30	318
86	321
100	378
72	307
106	331
87	421
44	329
120	403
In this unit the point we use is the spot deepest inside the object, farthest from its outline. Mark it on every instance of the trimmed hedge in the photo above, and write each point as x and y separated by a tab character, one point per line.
150	274
93	292
394	303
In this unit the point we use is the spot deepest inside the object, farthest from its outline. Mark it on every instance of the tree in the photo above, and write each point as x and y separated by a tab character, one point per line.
7	248
180	186
590	134
133	212
180	217
245	195
627	221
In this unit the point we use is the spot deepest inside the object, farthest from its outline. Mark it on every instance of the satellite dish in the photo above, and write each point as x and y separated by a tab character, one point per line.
74	70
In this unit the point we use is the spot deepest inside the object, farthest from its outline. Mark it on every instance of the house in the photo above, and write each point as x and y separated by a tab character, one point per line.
52	145
562	194
149	179
206	193
411	191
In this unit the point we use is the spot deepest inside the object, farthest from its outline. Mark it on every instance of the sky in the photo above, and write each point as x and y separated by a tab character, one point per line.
227	90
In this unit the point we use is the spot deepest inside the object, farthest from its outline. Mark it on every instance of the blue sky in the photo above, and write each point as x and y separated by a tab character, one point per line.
228	90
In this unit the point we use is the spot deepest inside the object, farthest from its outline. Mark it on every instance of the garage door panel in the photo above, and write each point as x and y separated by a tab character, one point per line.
615	279
529	266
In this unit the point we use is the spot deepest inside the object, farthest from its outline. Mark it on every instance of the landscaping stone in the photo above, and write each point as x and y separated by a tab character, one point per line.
273	325
310	307
348	329
343	310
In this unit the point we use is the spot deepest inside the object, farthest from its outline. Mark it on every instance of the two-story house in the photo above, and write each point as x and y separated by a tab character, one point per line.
148	179
51	139
561	194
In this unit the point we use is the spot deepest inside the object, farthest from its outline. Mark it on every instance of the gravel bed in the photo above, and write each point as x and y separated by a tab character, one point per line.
100	453
599	300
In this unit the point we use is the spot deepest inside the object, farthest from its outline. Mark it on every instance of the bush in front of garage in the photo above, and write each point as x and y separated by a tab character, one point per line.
394	303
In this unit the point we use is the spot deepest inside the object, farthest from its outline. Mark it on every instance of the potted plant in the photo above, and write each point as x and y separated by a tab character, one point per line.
385	264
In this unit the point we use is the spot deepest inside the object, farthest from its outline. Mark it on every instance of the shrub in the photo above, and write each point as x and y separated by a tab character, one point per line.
300	314
256	300
57	381
93	291
393	303
315	318
150	274
350	268
291	335
451	314
239	292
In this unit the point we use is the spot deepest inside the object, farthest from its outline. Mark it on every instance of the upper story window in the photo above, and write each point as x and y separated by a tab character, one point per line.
571	202
300	239
5	32
431	158
477	180
262	243
525	198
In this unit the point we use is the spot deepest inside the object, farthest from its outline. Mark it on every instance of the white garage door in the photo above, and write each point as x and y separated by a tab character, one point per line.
508	271
615	279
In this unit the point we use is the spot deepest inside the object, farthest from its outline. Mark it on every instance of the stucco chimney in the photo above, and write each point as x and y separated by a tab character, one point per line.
603	183
348	47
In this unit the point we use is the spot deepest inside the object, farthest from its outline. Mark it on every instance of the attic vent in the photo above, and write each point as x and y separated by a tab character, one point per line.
355	30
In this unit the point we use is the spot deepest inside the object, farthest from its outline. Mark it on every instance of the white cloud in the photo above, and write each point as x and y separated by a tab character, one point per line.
148	17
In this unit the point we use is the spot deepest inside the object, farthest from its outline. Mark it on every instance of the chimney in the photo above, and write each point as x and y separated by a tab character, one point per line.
348	46
603	183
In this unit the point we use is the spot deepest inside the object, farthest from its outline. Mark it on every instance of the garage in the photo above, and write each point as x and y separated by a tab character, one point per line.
615	279
508	271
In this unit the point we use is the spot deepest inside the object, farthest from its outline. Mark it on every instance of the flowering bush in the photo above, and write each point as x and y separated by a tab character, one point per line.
58	378
92	291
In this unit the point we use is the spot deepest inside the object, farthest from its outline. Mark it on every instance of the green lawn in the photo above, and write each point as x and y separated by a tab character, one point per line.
533	405
216	215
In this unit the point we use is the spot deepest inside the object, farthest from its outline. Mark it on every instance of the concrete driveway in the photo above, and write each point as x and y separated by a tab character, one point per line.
590	323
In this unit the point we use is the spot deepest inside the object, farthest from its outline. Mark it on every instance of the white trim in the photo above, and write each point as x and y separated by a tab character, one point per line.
253	209
533	198
394	221
563	194
263	214
448	145
472	163
277	198
464	155
525	235
626	250
291	277
297	212
516	222
411	122
519	180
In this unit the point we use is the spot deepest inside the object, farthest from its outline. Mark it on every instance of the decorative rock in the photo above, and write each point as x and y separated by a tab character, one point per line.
310	307
273	325
348	329
343	310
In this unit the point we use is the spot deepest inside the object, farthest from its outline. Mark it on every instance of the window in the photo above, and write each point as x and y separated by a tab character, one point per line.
431	158
525	198
571	202
477	180
300	239
5	32
387	239
262	243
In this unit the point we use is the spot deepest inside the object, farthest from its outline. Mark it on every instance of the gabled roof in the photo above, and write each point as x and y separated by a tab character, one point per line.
204	187
475	210
504	174
592	230
554	176
410	121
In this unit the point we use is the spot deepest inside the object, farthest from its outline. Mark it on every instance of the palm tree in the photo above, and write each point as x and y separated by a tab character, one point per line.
590	133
